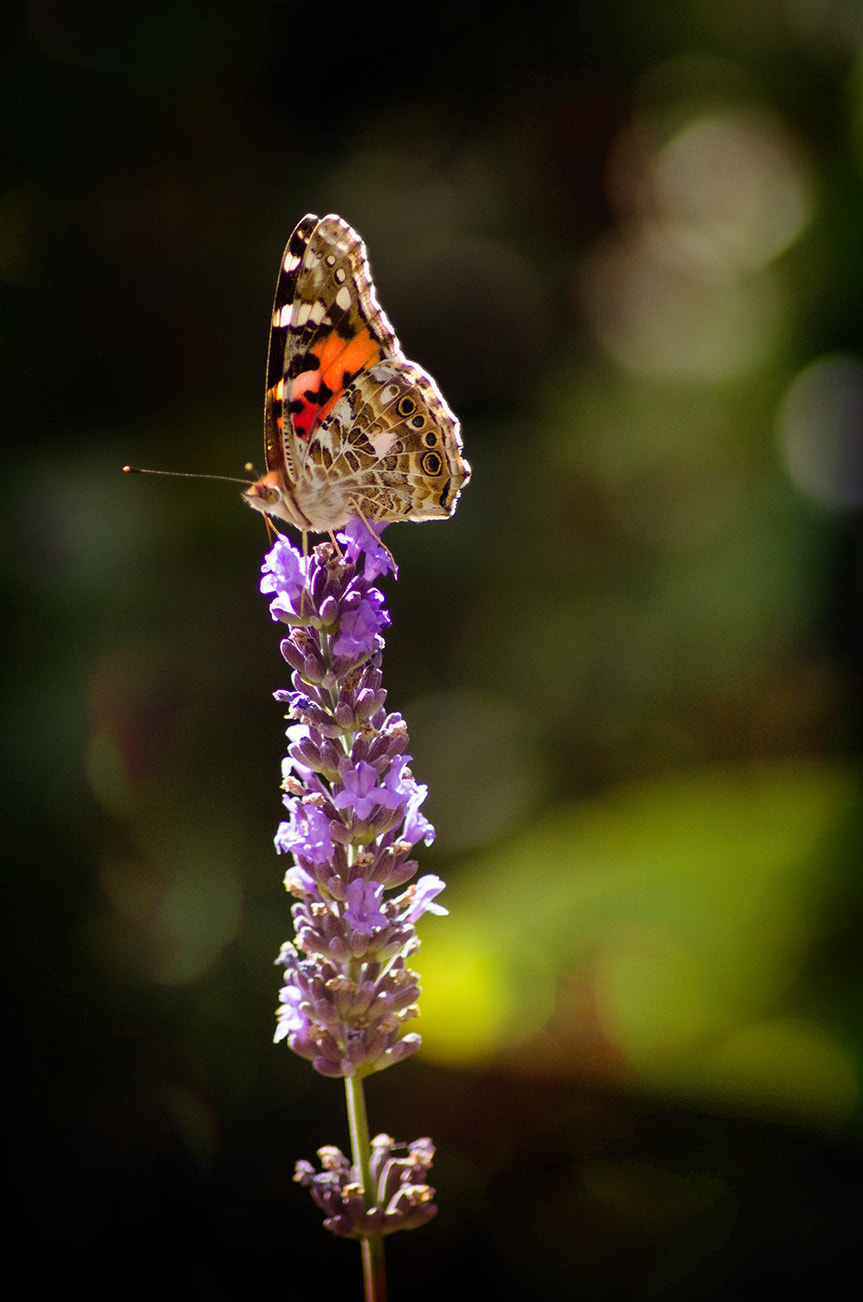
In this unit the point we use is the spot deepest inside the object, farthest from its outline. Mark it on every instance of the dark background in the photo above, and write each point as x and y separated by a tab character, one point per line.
625	238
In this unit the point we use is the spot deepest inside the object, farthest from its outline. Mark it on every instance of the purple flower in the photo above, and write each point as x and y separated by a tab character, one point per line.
421	897
399	779
361	789
284	572
298	881
290	1018
353	814
359	537
363	905
306	834
359	628
417	827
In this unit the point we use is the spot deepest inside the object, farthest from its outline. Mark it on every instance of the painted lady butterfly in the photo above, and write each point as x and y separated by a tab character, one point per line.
351	427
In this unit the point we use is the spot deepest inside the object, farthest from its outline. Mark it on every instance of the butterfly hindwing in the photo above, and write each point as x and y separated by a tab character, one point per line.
389	443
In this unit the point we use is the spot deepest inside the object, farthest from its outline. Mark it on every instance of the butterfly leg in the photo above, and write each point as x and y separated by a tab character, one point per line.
378	540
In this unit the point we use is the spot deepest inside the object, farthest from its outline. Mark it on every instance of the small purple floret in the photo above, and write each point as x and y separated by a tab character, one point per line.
360	627
358	538
363	905
284	571
423	896
307	834
361	791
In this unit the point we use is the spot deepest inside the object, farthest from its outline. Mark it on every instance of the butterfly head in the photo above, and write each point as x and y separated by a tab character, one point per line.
269	495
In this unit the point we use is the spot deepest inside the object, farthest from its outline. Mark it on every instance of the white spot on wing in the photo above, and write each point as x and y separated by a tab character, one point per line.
314	312
291	261
343	298
382	442
282	315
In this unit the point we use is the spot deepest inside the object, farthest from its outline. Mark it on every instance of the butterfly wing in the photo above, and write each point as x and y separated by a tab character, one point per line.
339	440
280	455
327	325
388	450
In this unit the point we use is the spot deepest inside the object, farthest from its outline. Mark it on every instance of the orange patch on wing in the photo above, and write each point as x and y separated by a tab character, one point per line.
274	404
338	359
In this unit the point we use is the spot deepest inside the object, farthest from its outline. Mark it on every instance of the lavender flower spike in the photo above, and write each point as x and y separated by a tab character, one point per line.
353	817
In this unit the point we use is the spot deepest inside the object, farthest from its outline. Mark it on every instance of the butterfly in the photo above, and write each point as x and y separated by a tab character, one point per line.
351	427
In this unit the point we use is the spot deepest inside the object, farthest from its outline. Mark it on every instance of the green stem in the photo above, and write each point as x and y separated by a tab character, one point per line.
374	1270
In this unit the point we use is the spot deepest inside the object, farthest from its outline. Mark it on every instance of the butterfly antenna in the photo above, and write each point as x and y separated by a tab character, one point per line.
182	474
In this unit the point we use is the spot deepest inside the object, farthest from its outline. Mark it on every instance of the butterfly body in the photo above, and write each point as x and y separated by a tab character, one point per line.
351	427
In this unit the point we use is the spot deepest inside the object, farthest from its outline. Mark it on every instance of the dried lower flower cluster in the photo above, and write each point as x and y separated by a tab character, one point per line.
402	1198
353	817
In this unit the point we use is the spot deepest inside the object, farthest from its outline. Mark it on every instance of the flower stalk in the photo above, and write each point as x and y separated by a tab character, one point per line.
353	819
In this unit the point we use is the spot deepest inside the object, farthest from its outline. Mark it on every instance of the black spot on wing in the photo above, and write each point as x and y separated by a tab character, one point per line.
300	363
299	240
276	355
